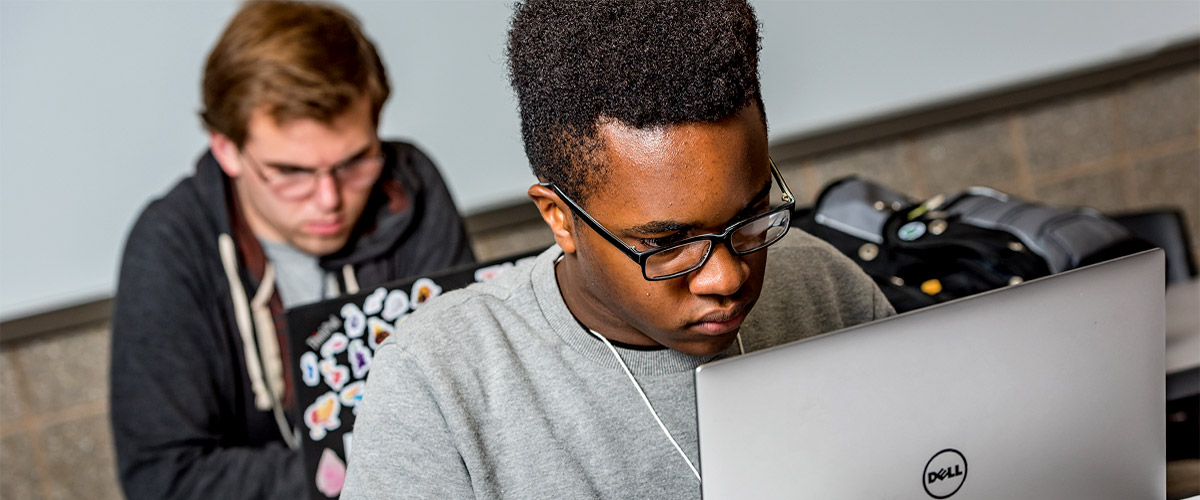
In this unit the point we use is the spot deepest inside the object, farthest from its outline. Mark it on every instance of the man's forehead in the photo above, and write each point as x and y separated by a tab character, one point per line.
674	222
621	139
618	138
689	172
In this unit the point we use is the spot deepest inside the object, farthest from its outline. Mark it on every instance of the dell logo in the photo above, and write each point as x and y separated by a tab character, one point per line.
945	473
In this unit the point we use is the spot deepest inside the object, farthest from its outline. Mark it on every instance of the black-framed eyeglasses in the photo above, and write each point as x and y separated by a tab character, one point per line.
684	256
298	183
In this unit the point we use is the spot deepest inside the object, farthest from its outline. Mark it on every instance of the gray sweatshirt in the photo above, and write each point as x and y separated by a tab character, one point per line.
496	391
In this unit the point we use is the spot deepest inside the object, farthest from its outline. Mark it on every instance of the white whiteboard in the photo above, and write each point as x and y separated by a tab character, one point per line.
98	98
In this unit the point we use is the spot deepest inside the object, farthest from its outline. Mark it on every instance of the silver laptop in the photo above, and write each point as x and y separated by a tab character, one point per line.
1052	389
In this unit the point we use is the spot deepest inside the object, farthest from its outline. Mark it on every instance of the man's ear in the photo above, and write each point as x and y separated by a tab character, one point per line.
556	215
226	153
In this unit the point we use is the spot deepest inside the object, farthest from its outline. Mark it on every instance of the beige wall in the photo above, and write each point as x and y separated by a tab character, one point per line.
1123	148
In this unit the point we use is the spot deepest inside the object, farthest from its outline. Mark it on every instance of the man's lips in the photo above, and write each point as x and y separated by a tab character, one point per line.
721	322
324	228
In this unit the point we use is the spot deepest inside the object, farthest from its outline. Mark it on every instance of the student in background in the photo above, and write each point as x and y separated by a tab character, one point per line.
296	200
571	377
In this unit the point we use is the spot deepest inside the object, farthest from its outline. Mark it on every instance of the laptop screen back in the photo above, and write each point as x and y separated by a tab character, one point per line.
1048	389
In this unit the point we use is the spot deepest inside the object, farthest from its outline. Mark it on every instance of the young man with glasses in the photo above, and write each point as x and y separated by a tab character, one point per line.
572	377
297	200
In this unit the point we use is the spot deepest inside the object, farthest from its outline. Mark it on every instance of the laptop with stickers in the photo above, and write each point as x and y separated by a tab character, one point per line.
1053	388
331	344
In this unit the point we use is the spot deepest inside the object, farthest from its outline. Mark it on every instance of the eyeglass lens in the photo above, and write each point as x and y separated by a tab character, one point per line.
751	237
301	183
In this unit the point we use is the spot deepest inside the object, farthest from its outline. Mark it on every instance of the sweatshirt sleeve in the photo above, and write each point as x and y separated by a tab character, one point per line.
174	421
402	445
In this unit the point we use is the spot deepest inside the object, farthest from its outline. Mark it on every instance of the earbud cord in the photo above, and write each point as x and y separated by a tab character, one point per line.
646	400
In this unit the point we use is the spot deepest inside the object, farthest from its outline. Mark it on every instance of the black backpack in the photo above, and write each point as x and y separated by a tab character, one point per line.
949	247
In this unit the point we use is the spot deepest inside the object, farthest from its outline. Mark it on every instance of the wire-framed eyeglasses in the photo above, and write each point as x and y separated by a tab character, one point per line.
689	254
296	183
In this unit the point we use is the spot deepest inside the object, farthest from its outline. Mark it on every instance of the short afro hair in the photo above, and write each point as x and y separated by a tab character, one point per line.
576	64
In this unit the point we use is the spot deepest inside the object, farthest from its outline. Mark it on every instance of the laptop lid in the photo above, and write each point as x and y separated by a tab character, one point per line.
1053	388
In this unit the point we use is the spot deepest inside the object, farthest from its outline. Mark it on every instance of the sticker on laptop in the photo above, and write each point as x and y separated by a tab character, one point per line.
309	370
336	344
352	395
395	305
322	416
374	302
331	474
377	331
336	376
423	290
490	272
359	357
356	321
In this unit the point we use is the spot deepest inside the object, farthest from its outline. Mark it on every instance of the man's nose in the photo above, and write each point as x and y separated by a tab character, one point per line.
328	195
723	274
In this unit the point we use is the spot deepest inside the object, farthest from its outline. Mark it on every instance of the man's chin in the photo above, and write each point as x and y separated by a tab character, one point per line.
319	246
708	346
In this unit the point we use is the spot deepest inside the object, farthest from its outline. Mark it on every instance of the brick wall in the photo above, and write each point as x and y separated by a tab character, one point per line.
1126	148
55	441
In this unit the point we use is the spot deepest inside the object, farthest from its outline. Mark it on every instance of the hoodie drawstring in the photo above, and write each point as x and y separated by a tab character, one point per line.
241	311
266	386
268	345
351	280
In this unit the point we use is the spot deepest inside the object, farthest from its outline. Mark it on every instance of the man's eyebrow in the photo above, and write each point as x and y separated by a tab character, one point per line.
661	226
667	226
287	166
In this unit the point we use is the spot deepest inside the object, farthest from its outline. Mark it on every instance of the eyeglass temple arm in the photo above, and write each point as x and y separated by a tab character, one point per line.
599	228
786	192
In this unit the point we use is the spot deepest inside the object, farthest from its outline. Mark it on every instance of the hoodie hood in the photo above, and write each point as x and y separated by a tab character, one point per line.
389	213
